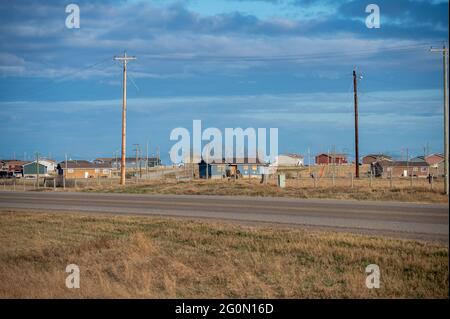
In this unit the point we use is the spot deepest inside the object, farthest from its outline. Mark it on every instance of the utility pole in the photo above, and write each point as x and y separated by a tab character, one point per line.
65	171
146	162
407	162
444	51
137	159
37	169
124	60
157	155
309	161
355	93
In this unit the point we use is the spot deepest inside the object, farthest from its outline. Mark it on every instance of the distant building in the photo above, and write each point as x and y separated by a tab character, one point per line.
418	159
372	158
336	159
50	164
436	162
84	169
14	167
401	168
289	160
31	169
240	168
130	162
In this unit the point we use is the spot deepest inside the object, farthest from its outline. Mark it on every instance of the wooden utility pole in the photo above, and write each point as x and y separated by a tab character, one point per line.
444	51
137	159
355	91
37	169
124	60
146	162
65	171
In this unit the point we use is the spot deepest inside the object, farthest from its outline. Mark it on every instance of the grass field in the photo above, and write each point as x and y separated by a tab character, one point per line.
296	189
143	257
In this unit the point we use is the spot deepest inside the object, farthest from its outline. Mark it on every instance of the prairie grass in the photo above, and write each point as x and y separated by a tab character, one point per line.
360	191
147	257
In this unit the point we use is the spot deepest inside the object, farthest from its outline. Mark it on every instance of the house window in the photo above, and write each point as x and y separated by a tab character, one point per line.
245	167
70	170
389	169
423	169
106	171
254	167
415	169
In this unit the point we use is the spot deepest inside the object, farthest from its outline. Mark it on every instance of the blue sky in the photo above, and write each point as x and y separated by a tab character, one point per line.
230	63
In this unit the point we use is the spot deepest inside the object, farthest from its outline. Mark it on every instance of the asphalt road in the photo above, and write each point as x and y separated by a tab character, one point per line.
404	220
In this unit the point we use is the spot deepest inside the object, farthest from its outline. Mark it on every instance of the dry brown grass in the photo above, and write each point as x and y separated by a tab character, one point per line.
124	256
294	188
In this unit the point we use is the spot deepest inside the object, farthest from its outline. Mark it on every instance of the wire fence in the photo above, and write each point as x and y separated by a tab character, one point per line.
161	178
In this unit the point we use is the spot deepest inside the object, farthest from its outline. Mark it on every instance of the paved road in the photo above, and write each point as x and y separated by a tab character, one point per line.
405	220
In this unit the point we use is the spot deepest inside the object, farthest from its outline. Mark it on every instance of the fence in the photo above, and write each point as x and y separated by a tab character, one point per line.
292	181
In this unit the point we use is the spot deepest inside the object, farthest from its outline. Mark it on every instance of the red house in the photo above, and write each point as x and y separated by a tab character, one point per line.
326	159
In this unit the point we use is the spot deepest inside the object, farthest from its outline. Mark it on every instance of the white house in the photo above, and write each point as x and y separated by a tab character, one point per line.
289	160
50	164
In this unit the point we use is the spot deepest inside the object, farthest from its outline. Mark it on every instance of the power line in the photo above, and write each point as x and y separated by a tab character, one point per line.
292	57
61	79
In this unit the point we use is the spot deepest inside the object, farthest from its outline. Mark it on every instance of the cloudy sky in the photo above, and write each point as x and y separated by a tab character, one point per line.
230	63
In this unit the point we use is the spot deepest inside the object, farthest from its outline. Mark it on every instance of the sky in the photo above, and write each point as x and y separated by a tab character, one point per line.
229	63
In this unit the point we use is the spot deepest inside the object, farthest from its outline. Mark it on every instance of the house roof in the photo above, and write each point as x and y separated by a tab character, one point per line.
238	160
436	154
332	155
404	164
378	155
292	155
128	159
14	162
83	164
34	163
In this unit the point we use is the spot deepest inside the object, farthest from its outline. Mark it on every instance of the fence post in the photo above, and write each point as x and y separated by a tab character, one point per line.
390	179
411	181
431	182
315	181
24	188
334	181
75	182
351	177
54	184
370	179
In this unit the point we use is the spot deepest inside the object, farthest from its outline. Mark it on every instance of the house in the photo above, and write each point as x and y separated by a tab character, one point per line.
130	162
326	159
434	159
436	162
418	159
83	169
31	169
49	163
14	167
400	169
289	160
372	158
239	168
